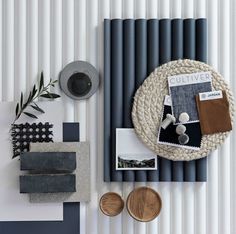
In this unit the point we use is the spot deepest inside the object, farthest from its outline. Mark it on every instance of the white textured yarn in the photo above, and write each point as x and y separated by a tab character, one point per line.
148	107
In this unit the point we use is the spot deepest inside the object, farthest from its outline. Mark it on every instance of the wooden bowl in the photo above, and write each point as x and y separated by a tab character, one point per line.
144	204
111	204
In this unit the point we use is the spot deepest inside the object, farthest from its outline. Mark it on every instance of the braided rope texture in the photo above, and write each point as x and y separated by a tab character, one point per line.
148	106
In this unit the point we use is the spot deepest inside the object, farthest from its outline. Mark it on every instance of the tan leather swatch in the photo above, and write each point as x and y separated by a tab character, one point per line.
214	115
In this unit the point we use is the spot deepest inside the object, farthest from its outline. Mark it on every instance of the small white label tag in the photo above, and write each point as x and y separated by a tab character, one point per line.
210	95
167	101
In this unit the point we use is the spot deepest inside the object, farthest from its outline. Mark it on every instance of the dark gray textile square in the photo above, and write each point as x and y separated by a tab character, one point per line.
183	99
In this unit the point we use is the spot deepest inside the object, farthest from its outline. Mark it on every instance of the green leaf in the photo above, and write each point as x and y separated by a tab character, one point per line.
55	81
21	99
37	108
41	83
34	91
17	109
30	115
29	98
50	95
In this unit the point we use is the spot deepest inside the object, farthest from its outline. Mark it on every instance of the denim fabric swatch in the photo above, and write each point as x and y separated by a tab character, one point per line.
183	99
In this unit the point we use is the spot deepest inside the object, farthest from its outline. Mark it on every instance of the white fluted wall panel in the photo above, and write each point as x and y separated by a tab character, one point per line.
46	35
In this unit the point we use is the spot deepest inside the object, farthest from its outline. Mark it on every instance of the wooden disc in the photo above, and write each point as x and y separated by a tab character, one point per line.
111	204
144	204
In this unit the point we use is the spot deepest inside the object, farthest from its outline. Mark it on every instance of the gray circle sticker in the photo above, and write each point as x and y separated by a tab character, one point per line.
79	80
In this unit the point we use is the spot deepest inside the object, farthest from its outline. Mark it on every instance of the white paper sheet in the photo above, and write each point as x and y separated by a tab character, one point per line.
13	205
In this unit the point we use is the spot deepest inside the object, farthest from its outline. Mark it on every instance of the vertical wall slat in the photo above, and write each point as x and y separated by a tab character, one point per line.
187	8
20	47
175	6
151	6
92	112
224	69
140	9
103	187
80	106
164	9
44	39
1	48
233	137
80	54
116	224
68	50
201	55
32	43
8	51
212	183
56	40
128	9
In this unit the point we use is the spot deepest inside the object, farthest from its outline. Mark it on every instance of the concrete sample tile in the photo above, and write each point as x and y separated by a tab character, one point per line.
82	172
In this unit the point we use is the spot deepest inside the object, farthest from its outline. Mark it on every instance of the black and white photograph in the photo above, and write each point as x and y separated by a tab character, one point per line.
136	162
131	153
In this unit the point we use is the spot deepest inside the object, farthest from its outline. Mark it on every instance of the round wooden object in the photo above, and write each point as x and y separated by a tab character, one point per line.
144	204
111	204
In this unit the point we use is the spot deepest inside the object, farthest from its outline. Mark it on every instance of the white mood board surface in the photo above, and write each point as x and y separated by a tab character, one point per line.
46	35
13	205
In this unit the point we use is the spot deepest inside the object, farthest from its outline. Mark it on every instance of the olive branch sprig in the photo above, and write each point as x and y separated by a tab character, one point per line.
42	91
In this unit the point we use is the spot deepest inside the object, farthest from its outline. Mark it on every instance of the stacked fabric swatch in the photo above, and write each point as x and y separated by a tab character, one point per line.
132	50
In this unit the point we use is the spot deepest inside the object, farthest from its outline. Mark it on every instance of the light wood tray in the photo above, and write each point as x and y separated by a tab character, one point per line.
144	204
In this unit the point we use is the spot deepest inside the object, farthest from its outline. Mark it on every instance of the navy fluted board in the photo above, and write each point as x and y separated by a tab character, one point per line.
164	41
164	57
201	55
177	42
190	53
116	90
128	79
201	169
152	63
107	99
189	39
201	40
71	211
177	52
140	68
144	45
152	45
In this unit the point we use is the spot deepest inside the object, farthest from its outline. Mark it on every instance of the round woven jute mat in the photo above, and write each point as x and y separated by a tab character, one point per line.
148	106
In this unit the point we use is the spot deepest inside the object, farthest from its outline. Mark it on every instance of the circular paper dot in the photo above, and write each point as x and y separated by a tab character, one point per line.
183	117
